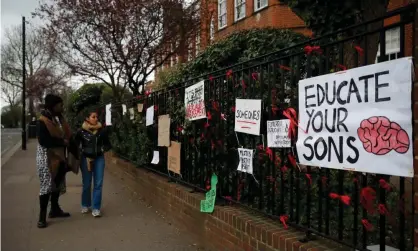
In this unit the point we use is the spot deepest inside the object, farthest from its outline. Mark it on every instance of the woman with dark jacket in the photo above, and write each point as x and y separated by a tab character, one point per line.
94	143
53	137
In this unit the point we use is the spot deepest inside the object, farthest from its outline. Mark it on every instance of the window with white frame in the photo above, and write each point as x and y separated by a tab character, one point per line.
392	44
221	13
239	9
260	4
212	30
197	45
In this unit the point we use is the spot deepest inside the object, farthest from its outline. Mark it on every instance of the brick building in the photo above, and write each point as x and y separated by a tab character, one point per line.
219	18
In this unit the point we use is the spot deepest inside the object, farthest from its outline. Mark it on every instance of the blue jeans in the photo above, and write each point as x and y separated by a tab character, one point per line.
97	173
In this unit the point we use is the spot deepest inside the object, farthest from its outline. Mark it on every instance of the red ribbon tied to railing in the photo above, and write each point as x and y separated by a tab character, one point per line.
208	115
383	184
382	209
254	75
343	198
283	220
229	73
309	178
309	49
292	159
269	153
367	198
367	225
291	114
359	50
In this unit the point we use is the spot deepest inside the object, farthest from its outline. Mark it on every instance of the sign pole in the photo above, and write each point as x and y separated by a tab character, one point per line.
23	84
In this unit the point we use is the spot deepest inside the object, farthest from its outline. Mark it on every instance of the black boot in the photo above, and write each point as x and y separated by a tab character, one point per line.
56	211
43	203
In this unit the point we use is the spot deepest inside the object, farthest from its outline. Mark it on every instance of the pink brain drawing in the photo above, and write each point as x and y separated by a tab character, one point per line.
380	136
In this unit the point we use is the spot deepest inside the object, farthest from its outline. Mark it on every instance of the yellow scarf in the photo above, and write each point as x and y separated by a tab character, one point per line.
92	129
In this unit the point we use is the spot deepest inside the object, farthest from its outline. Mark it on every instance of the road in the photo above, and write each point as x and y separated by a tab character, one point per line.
9	138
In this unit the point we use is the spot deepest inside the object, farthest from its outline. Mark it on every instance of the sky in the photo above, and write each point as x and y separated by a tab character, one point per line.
11	15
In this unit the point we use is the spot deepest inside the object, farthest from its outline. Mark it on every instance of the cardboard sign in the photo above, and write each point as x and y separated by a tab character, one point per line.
194	100
208	204
358	120
245	160
164	130
108	118
248	116
149	116
278	133
140	107
174	159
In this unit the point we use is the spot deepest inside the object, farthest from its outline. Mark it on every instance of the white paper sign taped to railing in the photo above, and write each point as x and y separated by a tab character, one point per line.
155	158
248	116
359	120
149	118
194	100
123	110
245	160
278	133
108	114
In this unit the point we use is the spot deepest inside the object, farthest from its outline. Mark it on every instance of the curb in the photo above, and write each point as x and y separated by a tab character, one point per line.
10	152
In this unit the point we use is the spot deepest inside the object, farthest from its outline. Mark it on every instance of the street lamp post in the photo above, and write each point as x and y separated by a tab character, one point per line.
23	84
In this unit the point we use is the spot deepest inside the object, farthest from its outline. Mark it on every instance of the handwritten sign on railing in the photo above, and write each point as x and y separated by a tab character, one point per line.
248	116
194	99
359	119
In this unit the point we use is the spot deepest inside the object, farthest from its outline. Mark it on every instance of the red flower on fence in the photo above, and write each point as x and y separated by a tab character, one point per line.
284	169
155	107
208	115
211	78
277	160
206	125
147	93
233	109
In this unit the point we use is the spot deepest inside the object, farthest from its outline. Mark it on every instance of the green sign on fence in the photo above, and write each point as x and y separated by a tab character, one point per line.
208	205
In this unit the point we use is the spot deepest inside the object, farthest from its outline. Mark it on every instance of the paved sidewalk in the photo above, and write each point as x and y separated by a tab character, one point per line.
127	224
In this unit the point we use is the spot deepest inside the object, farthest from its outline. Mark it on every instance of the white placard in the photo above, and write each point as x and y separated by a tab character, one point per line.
155	158
131	113
248	116
108	115
194	100
150	116
278	133
359	120
245	160
123	110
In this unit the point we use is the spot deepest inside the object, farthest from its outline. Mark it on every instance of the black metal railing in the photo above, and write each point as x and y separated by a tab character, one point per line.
278	188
